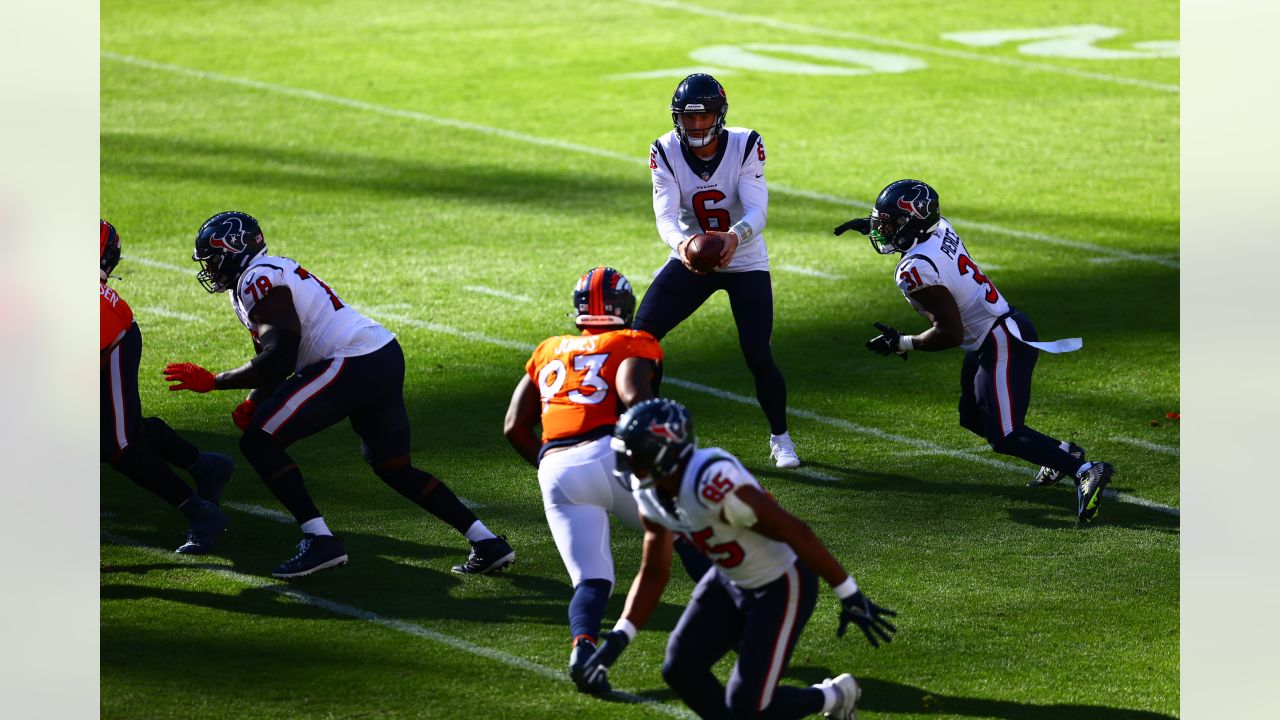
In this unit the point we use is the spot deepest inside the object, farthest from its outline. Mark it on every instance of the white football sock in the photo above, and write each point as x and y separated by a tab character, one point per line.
478	532
830	696
1066	446
316	526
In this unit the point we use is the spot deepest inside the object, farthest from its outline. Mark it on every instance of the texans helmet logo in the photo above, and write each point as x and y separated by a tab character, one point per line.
915	202
233	239
667	430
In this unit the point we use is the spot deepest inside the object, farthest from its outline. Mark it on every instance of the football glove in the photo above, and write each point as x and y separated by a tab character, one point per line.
886	343
189	376
243	414
868	616
596	672
861	224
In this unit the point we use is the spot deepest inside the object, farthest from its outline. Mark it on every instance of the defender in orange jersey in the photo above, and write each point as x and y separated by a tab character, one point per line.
144	448
576	386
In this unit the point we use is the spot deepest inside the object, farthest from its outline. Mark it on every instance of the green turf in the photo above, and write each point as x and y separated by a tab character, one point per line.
1006	610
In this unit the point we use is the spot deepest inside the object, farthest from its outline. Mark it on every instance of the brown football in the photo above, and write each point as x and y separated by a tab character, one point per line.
703	252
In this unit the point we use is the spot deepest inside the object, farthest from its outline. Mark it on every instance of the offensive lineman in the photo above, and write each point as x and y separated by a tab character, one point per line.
144	448
318	361
576	386
938	276
710	179
760	593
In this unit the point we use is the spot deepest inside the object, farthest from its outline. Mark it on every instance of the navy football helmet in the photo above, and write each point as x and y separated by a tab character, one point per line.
603	298
225	244
699	93
905	213
652	439
108	248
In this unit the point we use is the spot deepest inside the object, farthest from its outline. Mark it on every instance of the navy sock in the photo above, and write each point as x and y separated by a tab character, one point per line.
169	444
586	609
1038	449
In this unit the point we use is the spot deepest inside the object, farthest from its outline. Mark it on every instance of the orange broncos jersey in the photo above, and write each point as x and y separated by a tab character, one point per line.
117	317
576	375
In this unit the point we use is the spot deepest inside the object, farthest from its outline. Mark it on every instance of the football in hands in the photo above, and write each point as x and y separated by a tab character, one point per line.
704	251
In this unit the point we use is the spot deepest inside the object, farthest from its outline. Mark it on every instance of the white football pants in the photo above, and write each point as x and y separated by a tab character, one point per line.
578	493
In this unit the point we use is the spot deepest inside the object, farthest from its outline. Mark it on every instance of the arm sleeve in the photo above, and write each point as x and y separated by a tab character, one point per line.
666	199
753	193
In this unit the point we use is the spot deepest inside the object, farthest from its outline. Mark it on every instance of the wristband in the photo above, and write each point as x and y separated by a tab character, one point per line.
744	231
905	343
846	588
625	627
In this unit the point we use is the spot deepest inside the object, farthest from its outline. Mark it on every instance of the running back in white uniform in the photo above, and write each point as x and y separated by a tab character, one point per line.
330	328
744	556
941	259
687	203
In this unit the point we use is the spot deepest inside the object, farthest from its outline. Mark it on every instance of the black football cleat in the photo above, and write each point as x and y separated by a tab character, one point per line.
578	657
315	553
487	556
205	525
212	471
1092	481
1048	476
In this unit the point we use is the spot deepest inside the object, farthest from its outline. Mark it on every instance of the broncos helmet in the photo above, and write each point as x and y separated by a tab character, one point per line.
699	93
652	438
108	248
225	244
603	298
905	213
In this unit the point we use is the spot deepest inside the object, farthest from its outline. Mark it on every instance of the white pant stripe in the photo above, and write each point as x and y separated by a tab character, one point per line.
784	636
117	399
1001	379
302	395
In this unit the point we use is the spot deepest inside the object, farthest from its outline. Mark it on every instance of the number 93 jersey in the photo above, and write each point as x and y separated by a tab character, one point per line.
743	555
330	328
941	259
577	378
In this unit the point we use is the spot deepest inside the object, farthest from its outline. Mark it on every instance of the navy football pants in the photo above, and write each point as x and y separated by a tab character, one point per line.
676	293
765	623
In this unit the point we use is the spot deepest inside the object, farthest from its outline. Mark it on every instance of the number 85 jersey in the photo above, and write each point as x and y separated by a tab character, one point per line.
577	378
330	328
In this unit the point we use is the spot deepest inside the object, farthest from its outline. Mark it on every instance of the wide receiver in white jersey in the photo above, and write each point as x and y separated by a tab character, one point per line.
940	279
318	362
758	596
709	179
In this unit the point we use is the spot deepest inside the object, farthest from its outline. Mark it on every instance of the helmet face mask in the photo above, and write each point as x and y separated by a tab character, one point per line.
108	248
225	244
905	213
695	95
652	440
603	298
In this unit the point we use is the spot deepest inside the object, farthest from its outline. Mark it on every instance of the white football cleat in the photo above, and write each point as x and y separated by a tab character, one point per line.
847	693
783	451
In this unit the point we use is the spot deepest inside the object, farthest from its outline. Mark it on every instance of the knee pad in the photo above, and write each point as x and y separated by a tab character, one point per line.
262	452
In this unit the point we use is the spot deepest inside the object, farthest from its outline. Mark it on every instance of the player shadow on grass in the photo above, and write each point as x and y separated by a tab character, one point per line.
1055	506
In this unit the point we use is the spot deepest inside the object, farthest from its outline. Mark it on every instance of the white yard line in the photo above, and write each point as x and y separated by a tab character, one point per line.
157	264
262	512
481	289
1148	445
166	312
816	475
337	608
901	45
587	150
810	272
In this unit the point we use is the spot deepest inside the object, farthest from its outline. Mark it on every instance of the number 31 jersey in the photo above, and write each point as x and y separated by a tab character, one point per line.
743	555
941	259
577	378
330	328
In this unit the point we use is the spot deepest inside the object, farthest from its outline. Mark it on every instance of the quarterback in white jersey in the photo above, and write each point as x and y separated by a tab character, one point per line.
709	179
318	362
942	281
757	597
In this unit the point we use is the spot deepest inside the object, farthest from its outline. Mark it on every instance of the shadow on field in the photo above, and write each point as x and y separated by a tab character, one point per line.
887	696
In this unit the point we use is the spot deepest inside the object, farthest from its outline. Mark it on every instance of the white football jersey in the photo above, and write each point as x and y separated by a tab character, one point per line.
692	196
330	327
941	259
743	555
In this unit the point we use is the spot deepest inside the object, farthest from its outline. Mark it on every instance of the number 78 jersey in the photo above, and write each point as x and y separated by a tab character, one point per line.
577	378
941	259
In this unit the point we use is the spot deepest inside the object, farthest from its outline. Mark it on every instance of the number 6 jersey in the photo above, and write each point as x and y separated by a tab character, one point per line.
941	259
330	328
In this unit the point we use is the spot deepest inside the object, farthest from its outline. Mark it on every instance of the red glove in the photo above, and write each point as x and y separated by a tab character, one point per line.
189	376
243	414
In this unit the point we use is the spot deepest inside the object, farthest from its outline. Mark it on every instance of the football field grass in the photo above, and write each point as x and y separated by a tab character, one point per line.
451	169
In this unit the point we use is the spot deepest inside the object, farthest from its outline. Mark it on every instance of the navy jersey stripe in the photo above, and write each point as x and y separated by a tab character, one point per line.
751	145
663	154
921	257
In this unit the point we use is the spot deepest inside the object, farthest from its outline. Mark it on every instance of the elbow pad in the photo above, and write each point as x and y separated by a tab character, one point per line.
279	354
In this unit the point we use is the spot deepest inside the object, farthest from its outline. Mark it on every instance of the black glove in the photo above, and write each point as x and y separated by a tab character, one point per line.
861	224
886	343
596	673
858	609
